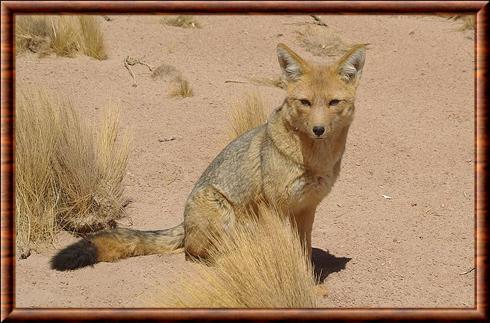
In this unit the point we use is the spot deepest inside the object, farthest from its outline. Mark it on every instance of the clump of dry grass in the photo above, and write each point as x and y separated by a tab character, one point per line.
468	22
68	175
248	113
262	264
181	88
61	35
93	40
31	33
181	21
322	41
64	37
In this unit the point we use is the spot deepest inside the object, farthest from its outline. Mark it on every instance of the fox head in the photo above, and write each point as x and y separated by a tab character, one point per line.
320	98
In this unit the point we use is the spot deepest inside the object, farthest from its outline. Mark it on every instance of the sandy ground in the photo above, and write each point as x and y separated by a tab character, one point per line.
412	140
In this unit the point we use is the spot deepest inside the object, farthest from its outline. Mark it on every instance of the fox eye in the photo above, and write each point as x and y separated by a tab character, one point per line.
305	102
333	102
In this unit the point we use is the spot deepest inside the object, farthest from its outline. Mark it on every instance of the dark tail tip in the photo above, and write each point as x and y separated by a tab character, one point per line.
80	254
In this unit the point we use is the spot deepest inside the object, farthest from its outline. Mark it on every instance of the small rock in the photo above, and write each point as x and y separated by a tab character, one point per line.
167	139
24	253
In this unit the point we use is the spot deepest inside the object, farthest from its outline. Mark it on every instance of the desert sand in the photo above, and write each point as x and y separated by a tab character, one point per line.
397	229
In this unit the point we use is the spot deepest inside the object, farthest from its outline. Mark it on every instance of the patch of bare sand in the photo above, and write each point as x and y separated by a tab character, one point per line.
412	140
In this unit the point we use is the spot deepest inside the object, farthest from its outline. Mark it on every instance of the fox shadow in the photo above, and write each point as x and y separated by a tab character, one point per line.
325	263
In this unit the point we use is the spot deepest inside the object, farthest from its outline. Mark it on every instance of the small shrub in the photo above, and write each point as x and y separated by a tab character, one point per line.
468	22
262	264
68	176
31	33
64	36
322	41
93	40
181	88
61	35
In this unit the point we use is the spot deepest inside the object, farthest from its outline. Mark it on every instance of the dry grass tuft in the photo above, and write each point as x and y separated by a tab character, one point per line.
68	176
61	35
64	36
468	22
322	41
248	113
31	33
93	40
181	88
260	265
181	21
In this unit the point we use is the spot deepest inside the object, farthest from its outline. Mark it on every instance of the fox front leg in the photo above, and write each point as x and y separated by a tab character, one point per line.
304	222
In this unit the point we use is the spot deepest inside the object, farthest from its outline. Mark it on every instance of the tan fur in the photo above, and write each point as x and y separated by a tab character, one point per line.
123	243
283	162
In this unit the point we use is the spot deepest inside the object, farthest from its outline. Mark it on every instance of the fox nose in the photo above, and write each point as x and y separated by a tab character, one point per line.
318	130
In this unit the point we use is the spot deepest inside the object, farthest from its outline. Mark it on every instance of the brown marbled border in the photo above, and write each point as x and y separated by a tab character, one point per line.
10	8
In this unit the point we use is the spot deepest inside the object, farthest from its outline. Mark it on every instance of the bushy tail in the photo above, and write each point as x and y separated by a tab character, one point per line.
118	244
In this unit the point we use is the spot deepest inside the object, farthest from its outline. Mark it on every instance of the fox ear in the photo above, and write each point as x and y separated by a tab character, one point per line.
351	64
292	65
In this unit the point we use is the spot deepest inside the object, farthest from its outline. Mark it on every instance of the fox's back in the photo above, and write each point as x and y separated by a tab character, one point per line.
236	171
